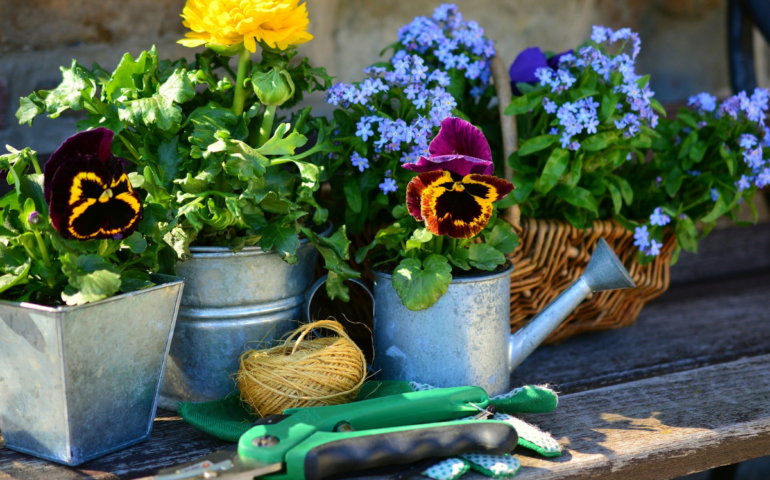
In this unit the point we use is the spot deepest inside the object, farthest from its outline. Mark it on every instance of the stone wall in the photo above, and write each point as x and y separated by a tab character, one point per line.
683	41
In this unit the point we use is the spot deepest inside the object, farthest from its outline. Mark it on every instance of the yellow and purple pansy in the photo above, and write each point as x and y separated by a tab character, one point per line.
87	190
455	190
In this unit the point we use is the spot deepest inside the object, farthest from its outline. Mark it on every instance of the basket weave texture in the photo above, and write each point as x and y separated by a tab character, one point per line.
553	254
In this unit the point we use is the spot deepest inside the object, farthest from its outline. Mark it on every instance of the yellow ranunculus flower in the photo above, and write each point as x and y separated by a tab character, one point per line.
278	23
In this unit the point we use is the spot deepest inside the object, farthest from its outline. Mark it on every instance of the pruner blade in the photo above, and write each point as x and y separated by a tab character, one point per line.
224	464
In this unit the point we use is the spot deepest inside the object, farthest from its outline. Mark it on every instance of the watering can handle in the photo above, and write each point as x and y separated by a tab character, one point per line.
319	283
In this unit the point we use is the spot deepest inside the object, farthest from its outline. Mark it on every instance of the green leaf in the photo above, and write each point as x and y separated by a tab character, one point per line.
156	110
641	141
600	141
242	161
459	258
92	277
625	189
353	194
280	145
617	200
674	181
520	165
686	234
10	280
123	77
524	184
135	242
502	237
334	250
418	238
536	144
581	93
178	87
523	104
169	159
77	87
608	106
132	280
720	207
554	168
29	108
655	104
577	196
484	256
283	240
421	284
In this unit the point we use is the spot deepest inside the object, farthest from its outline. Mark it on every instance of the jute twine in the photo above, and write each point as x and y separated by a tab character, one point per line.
302	373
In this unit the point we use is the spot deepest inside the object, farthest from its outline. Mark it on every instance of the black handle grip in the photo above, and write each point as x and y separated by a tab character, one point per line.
408	446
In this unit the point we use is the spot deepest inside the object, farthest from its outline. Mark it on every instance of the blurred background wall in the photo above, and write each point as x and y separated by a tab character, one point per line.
683	41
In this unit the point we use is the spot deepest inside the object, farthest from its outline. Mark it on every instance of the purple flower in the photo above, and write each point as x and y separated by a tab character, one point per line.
459	147
654	249
641	237
388	185
359	161
659	218
527	62
33	218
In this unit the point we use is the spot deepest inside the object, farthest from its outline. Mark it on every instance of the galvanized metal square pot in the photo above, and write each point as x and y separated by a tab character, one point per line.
80	382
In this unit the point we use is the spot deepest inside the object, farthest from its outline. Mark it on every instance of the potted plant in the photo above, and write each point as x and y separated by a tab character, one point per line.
440	67
236	186
86	327
441	278
595	160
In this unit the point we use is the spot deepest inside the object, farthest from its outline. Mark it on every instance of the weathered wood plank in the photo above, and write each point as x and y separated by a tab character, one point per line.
725	252
689	326
660	428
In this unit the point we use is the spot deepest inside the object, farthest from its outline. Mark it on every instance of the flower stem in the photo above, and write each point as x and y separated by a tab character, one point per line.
244	64
266	126
439	244
36	165
43	250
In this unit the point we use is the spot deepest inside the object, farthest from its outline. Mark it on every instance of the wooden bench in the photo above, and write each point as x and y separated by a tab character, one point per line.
684	390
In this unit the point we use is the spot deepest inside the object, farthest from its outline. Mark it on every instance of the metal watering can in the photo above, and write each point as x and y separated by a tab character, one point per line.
464	338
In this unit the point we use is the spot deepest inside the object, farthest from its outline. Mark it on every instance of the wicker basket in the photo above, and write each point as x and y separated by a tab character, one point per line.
553	254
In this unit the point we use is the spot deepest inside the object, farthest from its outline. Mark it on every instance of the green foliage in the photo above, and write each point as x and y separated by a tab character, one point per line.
426	262
215	179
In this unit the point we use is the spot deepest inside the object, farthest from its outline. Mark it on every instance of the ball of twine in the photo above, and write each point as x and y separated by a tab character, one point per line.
321	371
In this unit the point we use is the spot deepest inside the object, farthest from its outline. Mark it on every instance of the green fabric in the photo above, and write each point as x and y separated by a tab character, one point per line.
449	469
495	466
228	418
527	399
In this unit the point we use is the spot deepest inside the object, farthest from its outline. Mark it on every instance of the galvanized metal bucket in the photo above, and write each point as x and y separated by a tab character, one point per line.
80	382
231	299
461	340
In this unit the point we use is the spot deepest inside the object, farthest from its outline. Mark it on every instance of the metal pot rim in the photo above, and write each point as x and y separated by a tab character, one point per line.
478	277
214	252
167	281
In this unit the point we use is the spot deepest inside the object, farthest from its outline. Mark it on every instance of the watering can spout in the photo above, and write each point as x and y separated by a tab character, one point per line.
604	272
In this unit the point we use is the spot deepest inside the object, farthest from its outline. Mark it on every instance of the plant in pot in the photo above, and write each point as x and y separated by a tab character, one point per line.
442	263
596	161
86	327
440	67
239	184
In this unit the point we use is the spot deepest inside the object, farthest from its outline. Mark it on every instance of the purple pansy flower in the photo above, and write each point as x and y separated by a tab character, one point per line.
459	147
526	64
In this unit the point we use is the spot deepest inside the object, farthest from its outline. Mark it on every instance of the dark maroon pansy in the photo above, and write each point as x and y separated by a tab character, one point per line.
87	189
459	147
